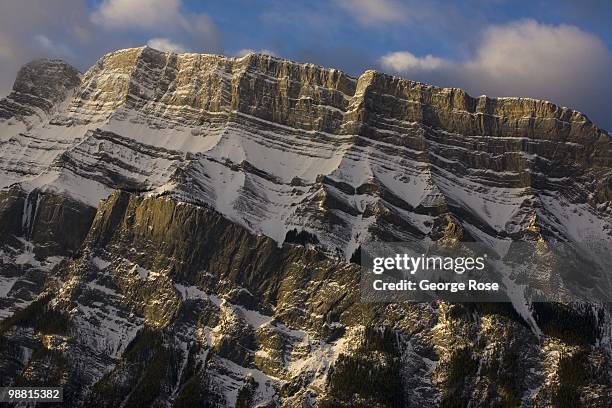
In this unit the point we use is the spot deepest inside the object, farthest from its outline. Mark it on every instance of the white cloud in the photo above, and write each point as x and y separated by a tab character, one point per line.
53	48
526	56
136	13
159	17
165	44
246	51
560	63
370	12
404	61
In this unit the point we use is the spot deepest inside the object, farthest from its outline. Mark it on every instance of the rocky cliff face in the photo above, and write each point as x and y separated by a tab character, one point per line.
40	86
177	229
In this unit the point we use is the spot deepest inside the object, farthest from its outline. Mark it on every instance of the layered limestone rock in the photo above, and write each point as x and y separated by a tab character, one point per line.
365	155
176	230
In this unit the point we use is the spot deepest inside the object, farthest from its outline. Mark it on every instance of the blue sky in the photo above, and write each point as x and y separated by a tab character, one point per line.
559	50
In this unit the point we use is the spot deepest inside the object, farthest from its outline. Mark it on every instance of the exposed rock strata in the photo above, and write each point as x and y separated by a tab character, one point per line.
214	270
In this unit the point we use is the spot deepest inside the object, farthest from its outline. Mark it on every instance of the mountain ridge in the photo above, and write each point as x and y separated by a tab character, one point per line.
476	101
184	229
187	93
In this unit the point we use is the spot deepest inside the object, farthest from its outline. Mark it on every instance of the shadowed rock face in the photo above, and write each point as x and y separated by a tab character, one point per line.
39	86
56	225
176	230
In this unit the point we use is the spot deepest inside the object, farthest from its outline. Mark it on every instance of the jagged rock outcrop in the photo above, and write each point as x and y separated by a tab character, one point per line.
177	230
39	87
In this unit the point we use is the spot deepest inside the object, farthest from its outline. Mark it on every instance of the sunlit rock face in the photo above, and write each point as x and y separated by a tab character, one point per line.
177	230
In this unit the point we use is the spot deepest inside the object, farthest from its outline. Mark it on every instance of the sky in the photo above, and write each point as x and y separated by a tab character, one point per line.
555	50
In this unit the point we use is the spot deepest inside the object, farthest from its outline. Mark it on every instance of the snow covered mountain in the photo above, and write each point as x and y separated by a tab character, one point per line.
177	228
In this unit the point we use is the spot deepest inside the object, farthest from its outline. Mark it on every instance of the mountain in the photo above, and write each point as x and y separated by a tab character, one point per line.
178	229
